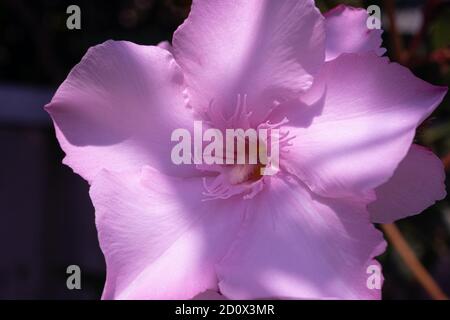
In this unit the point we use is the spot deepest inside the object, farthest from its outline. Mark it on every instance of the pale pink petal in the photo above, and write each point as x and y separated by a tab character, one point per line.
268	50
296	245
360	125
117	109
417	184
160	240
209	295
165	45
347	32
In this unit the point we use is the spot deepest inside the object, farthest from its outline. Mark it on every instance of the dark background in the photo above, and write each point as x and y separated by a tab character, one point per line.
46	218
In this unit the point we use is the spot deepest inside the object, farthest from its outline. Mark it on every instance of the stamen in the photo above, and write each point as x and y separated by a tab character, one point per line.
239	119
243	179
284	137
222	189
268	125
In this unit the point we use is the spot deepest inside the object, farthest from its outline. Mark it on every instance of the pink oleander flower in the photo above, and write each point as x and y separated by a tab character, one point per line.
347	118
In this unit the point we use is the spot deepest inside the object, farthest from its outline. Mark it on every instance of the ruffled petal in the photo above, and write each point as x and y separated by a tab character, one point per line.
267	50
417	184
358	123
117	110
165	45
347	32
160	240
297	245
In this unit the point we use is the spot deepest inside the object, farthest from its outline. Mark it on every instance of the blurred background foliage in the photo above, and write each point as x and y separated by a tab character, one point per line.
38	51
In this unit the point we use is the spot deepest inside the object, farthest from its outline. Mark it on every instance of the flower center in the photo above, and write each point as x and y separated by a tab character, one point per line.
241	173
246	169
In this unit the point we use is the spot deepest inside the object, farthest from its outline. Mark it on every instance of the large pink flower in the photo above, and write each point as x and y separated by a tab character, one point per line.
347	159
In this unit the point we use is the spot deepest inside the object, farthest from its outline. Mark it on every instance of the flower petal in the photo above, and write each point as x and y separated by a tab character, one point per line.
360	126
209	295
298	245
117	109
347	32
165	45
160	240
417	184
268	50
